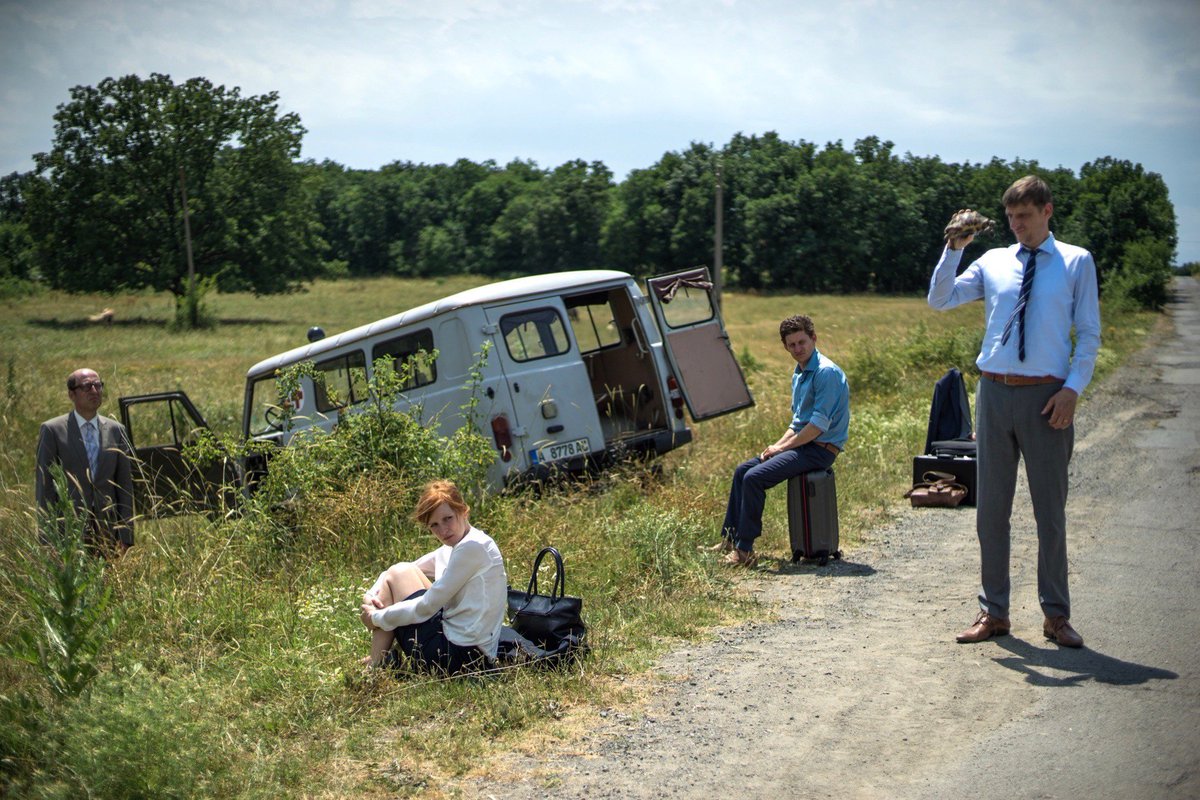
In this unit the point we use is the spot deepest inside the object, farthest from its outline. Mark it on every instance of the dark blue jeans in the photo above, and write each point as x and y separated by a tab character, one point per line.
752	478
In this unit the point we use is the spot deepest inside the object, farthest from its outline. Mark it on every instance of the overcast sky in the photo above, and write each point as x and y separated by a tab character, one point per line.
625	81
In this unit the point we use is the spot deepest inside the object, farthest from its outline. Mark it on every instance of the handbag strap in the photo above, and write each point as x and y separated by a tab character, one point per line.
560	583
942	483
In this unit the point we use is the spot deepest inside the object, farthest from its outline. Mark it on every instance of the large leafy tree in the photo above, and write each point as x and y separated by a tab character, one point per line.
1119	204
105	206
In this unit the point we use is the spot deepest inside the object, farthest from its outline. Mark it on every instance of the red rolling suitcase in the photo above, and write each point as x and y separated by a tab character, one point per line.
812	516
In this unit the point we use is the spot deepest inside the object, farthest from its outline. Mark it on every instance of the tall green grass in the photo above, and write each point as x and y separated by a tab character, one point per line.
232	669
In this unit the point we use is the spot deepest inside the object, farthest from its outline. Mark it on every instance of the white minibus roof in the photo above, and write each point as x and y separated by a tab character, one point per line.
514	289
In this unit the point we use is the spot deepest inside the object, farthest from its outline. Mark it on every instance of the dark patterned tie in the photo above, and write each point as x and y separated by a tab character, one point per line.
1018	313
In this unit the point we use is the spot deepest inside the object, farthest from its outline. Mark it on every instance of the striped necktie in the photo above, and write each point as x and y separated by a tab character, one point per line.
1018	313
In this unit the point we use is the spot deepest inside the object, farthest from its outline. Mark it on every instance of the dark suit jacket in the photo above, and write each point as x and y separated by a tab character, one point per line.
104	499
950	411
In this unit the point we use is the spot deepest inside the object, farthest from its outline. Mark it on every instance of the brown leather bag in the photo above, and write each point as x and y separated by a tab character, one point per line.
938	490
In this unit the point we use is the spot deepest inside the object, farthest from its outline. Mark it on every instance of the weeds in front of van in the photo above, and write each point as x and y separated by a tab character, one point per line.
64	599
234	669
385	435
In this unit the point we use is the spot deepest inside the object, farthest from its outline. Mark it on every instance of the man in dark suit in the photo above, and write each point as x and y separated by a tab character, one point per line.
95	453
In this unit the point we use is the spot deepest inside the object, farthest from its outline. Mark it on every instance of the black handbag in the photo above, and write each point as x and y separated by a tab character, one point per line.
553	622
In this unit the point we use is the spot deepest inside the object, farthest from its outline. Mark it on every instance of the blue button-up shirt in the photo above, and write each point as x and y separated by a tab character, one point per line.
821	395
1064	294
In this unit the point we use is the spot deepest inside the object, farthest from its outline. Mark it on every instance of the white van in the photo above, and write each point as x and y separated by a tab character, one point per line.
583	367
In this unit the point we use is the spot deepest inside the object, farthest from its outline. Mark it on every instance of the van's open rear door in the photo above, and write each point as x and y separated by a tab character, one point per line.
697	345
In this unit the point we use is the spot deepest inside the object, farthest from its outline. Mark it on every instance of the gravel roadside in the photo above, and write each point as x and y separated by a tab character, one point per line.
857	689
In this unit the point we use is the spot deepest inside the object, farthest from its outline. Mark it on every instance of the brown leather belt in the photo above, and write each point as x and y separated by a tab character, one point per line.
830	447
1021	380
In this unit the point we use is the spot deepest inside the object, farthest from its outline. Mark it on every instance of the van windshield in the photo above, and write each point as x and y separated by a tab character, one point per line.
264	408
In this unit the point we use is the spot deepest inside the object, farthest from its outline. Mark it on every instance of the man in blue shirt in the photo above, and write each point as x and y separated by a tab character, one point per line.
818	432
1034	292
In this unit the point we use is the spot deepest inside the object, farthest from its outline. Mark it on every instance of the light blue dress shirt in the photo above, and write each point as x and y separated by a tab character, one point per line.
821	395
1064	294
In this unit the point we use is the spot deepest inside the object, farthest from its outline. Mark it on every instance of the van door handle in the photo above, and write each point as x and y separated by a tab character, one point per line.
637	338
554	429
491	393
517	387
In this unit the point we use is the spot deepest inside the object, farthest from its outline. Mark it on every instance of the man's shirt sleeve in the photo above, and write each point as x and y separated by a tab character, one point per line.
947	291
826	391
466	561
1087	326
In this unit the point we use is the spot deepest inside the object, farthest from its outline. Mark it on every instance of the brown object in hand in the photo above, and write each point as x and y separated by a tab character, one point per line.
967	222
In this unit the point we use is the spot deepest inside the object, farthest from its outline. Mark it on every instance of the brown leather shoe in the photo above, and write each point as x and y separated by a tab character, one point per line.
986	626
1058	629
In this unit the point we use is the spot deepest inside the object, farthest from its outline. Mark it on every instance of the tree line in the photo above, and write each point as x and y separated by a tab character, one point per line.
103	209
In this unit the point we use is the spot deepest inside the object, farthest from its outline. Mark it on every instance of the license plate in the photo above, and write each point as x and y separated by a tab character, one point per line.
560	450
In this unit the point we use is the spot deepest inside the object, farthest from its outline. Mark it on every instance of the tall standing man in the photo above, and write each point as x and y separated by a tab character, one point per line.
1034	292
818	432
96	456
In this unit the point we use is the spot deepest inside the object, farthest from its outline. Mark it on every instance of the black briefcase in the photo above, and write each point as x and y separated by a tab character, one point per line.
963	468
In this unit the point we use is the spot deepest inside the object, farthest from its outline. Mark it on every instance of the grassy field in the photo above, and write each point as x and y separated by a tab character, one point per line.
232	669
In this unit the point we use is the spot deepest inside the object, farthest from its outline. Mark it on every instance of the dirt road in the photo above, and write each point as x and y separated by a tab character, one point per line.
859	691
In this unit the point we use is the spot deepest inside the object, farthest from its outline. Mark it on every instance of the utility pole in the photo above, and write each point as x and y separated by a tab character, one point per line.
718	243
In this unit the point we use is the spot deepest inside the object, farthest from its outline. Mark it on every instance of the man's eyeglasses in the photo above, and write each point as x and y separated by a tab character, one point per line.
90	385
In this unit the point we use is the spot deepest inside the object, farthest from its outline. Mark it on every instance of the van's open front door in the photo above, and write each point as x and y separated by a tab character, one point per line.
159	426
697	345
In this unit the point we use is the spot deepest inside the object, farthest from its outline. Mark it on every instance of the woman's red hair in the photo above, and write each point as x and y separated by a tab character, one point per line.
436	493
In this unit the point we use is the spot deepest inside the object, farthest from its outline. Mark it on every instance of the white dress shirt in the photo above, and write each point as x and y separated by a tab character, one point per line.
1064	294
469	587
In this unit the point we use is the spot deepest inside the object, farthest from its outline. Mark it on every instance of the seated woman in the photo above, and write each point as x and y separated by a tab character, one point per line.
445	609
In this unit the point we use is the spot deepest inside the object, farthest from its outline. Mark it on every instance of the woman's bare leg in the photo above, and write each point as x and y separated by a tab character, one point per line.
397	583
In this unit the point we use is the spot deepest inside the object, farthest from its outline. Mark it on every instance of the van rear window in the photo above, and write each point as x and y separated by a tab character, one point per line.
689	306
535	333
403	350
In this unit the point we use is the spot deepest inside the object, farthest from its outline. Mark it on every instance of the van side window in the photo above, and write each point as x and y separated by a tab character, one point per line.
689	306
536	333
593	322
345	381
404	350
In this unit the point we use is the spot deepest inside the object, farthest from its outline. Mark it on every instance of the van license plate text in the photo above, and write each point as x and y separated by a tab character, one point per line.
556	452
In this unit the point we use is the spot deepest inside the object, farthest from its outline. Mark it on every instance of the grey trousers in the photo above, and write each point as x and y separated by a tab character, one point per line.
1010	426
